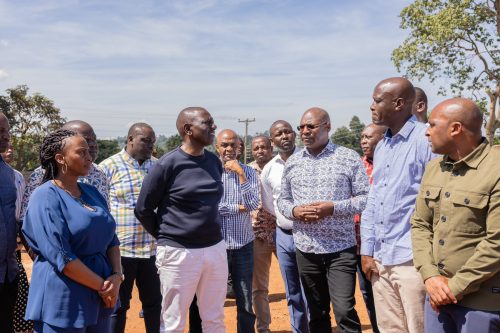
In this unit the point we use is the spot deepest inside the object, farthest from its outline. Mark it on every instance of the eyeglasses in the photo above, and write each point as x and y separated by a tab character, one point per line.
309	126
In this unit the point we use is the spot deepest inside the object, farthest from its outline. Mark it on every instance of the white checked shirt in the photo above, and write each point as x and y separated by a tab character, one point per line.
236	226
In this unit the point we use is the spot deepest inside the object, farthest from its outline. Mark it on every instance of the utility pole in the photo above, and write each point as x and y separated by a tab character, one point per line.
246	121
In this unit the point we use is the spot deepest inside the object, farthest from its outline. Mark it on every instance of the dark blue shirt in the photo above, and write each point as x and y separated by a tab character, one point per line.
8	263
179	199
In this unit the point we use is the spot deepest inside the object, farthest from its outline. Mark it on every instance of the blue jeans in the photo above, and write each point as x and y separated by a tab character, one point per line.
454	318
285	251
240	264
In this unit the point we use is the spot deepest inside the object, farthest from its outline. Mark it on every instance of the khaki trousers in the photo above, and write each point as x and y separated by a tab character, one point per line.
399	295
262	255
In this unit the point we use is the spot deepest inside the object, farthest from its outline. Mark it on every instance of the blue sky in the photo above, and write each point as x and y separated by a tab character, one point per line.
113	63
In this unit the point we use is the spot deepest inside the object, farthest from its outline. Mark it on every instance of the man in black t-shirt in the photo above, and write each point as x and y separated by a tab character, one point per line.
178	205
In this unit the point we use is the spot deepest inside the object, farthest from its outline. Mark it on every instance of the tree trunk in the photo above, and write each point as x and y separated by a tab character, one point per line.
492	124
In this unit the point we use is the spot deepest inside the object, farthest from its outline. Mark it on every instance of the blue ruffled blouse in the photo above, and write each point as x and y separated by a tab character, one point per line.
60	229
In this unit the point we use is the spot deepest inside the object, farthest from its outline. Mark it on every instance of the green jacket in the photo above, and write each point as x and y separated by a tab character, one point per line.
456	226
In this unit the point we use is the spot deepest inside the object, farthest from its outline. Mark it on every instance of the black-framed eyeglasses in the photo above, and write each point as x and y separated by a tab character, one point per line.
309	126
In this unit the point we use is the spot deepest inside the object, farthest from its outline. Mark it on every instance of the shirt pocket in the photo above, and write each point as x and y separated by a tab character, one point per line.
431	194
469	211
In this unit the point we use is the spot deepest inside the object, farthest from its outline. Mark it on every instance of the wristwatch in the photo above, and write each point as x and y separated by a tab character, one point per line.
120	274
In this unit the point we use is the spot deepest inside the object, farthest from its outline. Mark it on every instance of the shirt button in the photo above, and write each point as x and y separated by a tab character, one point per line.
383	241
387	165
427	193
443	218
466	201
447	194
381	204
440	266
441	242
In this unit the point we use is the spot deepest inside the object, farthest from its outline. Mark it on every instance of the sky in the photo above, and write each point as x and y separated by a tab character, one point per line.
114	63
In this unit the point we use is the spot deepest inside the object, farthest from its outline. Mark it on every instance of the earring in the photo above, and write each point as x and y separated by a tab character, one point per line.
64	168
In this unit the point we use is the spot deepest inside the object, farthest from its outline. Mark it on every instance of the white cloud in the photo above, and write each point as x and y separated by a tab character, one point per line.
3	74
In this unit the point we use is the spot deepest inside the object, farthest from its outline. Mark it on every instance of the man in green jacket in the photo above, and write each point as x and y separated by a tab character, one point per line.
456	224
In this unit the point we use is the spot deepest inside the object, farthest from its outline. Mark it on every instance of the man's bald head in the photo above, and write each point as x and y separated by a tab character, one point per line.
77	126
137	128
392	103
227	133
464	111
84	129
318	113
188	116
455	128
227	145
419	108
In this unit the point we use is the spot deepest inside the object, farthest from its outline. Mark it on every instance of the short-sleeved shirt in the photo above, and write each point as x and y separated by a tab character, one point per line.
60	229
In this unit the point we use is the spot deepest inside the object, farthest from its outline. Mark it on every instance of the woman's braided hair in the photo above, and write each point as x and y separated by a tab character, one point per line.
51	145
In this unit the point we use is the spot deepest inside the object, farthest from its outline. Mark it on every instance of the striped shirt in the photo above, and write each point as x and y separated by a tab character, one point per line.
236	226
125	177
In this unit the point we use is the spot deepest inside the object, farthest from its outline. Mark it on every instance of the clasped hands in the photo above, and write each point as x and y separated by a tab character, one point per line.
314	211
110	290
439	292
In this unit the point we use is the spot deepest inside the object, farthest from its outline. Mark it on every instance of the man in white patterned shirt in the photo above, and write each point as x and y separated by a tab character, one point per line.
323	187
241	196
125	172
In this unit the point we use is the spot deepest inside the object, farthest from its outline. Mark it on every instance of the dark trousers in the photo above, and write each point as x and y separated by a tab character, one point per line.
366	290
240	263
330	277
8	296
145	275
454	318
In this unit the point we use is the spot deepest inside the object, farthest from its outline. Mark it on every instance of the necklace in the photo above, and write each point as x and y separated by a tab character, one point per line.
77	199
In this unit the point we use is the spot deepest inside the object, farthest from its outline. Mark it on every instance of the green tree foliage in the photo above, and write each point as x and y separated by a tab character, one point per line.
459	41
107	148
349	136
172	142
31	118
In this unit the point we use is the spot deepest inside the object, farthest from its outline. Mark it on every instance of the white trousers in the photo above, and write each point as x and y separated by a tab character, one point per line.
186	272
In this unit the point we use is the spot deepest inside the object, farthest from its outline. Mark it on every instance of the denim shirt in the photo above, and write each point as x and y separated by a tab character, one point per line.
8	263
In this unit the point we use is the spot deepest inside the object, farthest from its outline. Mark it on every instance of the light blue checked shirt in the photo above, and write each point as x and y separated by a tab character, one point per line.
125	177
236	226
398	166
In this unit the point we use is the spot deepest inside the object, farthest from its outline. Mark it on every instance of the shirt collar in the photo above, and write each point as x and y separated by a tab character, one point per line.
126	156
330	146
474	158
280	160
405	131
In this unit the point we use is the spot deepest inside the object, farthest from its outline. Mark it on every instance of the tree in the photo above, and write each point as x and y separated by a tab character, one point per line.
107	148
457	40
172	142
349	136
31	119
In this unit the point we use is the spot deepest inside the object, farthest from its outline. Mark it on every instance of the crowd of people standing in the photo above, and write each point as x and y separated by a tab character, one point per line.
416	220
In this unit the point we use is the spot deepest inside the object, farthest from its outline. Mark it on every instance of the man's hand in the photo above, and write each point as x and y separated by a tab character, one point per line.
305	213
323	208
439	292
234	165
314	211
368	266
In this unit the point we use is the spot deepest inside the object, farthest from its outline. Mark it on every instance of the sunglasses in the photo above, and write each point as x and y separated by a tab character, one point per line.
309	126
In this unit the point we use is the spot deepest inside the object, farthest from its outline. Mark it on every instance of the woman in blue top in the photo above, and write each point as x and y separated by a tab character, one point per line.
77	274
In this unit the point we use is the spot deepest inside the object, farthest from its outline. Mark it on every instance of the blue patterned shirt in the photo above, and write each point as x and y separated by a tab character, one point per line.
336	174
95	178
398	166
236	226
